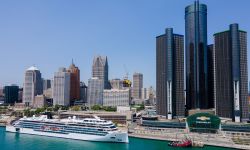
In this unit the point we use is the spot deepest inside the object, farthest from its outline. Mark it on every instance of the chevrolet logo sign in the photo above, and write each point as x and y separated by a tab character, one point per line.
203	118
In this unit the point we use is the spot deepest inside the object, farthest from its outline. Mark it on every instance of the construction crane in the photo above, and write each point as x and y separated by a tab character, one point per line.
126	72
126	81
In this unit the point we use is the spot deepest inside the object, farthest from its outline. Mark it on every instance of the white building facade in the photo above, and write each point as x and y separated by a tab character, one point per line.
61	87
115	97
32	85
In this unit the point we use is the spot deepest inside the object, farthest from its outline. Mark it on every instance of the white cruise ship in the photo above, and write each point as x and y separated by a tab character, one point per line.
90	129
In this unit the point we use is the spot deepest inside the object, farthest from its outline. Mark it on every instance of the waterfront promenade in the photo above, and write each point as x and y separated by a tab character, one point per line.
221	139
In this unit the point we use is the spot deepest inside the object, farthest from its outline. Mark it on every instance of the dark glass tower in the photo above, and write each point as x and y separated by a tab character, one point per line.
231	74
196	56
11	94
170	74
211	75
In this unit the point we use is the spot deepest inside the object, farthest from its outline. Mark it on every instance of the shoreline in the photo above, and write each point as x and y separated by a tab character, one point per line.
148	137
243	147
2	125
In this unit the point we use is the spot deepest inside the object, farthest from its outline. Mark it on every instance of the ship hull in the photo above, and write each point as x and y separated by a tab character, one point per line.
116	136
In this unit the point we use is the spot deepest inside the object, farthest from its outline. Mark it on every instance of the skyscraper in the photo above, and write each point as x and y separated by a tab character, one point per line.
11	94
196	56
144	93
74	82
211	76
32	85
95	91
61	87
46	84
2	89
83	92
170	74
100	70
230	48
137	85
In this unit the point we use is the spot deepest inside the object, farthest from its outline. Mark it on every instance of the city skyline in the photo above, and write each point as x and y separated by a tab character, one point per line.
83	45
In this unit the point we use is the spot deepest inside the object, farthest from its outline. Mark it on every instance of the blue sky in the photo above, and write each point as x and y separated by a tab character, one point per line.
49	33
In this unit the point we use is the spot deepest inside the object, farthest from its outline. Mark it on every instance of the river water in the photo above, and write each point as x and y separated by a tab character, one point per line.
13	141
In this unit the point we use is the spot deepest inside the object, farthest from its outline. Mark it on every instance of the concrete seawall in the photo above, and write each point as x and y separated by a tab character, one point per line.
219	140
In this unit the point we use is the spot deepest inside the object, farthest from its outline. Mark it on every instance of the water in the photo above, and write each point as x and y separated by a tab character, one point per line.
13	141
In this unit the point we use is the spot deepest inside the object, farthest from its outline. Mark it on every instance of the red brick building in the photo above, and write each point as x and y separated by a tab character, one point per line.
74	83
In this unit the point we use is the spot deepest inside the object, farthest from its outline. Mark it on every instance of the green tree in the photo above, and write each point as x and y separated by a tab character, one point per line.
50	109
109	108
96	107
29	113
40	110
65	107
76	108
56	107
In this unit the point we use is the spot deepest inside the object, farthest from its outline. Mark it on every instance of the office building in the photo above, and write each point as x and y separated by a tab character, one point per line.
116	97
32	85
20	95
1	92
39	102
170	75
83	92
46	84
144	93
249	88
61	87
137	85
48	93
100	70
11	94
230	48
196	56
116	84
211	76
74	83
95	91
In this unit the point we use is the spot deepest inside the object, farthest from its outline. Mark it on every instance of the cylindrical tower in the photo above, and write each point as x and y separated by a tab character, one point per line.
196	56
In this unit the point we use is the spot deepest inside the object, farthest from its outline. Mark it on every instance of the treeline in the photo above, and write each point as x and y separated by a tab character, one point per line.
105	108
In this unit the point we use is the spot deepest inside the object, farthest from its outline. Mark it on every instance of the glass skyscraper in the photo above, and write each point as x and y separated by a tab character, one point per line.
11	94
196	56
170	74
231	74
